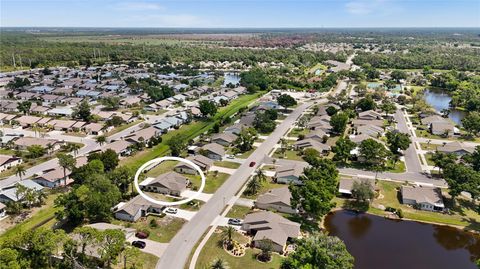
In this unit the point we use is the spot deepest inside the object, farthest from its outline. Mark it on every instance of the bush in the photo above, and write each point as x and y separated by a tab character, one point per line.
153	223
400	213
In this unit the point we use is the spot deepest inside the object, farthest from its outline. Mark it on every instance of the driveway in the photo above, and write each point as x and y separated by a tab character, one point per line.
151	247
245	202
183	214
222	169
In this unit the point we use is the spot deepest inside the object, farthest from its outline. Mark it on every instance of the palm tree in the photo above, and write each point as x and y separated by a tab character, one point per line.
261	175
227	235
253	186
66	161
219	264
101	139
75	147
283	146
20	171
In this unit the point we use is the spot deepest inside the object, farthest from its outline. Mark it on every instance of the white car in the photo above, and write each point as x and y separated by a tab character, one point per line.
171	210
230	157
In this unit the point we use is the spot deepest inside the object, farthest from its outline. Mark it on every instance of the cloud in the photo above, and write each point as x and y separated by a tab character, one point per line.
364	7
138	6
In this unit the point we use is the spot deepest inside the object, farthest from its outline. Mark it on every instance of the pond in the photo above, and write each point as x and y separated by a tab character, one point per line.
440	100
231	78
376	242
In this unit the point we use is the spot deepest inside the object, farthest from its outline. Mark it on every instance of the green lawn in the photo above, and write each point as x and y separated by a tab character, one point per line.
212	183
428	157
227	164
146	261
266	186
189	131
212	250
166	228
122	127
398	168
43	217
295	132
162	168
238	212
462	214
426	146
289	155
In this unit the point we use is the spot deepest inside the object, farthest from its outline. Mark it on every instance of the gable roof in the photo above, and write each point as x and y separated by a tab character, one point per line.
171	180
272	226
422	194
277	195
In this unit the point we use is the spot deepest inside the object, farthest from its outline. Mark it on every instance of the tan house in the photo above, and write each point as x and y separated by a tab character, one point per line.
287	174
171	183
268	226
424	198
7	162
277	199
203	162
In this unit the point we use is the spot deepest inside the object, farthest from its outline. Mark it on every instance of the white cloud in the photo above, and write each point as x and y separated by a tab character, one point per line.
138	6
364	7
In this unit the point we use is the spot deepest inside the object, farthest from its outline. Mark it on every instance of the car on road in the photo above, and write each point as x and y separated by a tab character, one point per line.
139	244
171	210
252	164
235	221
230	156
141	235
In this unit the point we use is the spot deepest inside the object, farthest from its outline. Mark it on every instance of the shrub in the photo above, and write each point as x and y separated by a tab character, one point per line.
400	213
153	223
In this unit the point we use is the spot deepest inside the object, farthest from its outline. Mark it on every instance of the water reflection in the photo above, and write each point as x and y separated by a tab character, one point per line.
440	100
231	78
376	242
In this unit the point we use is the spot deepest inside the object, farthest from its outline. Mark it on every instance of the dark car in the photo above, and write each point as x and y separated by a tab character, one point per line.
141	235
139	244
235	221
252	164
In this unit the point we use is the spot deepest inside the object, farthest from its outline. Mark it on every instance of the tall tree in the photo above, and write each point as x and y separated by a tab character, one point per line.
111	245
319	251
318	189
462	178
24	107
82	111
101	139
207	108
339	122
245	139
20	171
286	100
471	123
342	149
67	162
373	152
398	141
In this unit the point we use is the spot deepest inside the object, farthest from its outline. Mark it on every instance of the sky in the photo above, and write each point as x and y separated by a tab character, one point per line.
239	14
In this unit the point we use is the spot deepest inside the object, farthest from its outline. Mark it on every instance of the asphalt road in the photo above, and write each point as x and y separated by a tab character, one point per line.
412	162
182	244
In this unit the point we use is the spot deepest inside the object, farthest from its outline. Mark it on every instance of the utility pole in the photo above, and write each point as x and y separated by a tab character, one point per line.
13	57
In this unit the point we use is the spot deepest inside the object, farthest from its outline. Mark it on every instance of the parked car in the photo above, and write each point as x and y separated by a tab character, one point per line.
171	210
230	156
141	235
139	244
252	164
235	221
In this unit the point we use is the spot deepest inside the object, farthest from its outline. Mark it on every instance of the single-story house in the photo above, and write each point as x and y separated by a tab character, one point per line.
346	184
22	143
269	226
93	128
54	178
120	147
224	139
287	174
456	147
213	151
424	198
203	162
7	162
136	208
442	128
27	121
369	115
3	210
171	183
277	199
9	194
312	143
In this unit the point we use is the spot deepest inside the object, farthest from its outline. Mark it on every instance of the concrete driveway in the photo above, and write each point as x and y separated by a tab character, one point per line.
151	247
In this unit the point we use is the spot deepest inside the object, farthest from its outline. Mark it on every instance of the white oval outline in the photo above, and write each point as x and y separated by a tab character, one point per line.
169	158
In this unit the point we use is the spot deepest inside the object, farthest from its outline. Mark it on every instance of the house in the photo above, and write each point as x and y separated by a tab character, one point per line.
62	125
54	178
203	162
346	184
7	162
224	139
235	129
27	121
213	151
312	143
93	129
424	198
61	111
42	89
9	194
267	225
287	174
456	147
369	115
3	210
22	143
136	208
442	128
120	147
370	130
317	135
143	136
359	122
277	199
171	183
434	118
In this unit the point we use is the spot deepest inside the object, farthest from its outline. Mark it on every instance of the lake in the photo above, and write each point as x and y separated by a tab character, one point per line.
376	242
231	78
440	100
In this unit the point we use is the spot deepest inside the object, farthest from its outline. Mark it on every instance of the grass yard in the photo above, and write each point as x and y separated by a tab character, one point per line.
238	212
428	157
213	250
426	146
162	168
212	183
289	155
266	186
27	163
462	214
227	164
399	167
165	230
143	260
44	216
189	131
295	132
122	127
